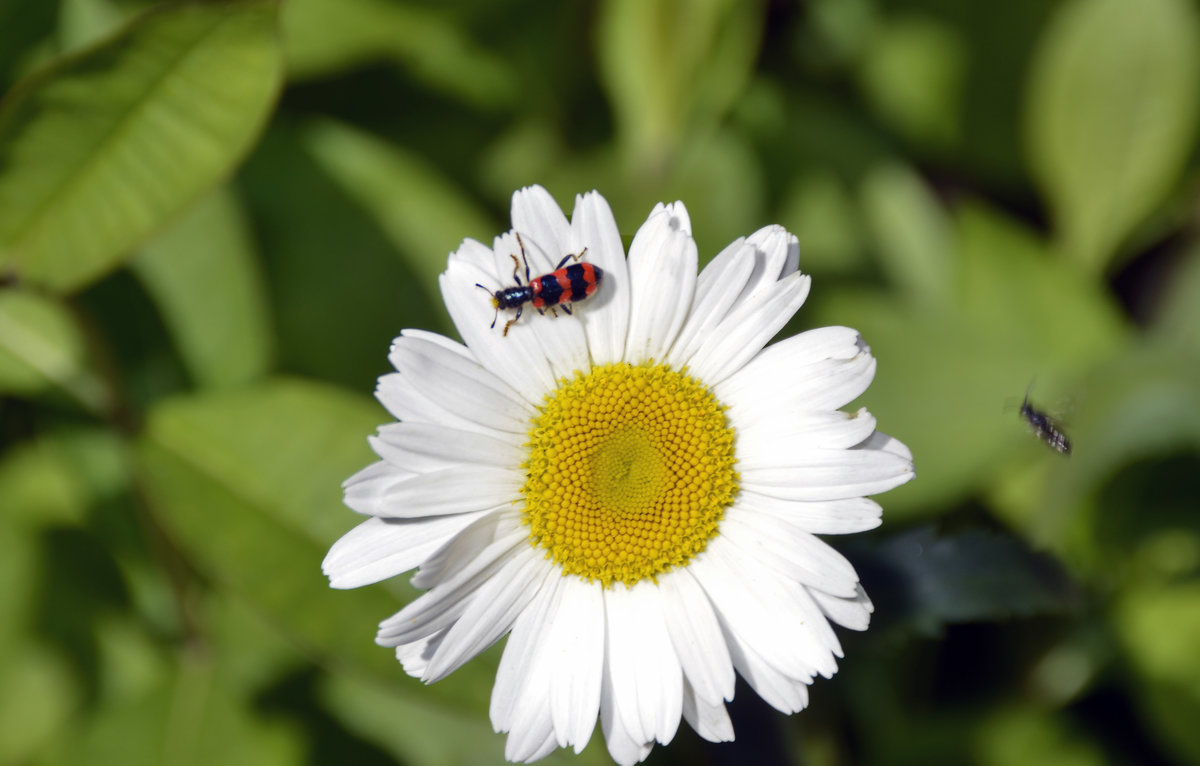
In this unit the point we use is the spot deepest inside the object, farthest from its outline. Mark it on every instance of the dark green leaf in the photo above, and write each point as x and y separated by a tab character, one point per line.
923	581
324	37
424	214
204	275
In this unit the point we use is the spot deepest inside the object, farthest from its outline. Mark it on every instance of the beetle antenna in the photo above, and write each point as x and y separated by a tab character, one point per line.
495	303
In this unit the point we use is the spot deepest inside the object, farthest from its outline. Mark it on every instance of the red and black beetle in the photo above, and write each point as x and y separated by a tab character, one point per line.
561	287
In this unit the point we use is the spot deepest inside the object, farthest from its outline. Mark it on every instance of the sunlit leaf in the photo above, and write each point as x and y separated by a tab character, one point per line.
37	697
101	149
205	277
1016	316
1018	736
912	72
41	346
912	234
1112	116
190	719
414	732
1144	405
821	212
661	73
1160	628
83	22
55	479
247	483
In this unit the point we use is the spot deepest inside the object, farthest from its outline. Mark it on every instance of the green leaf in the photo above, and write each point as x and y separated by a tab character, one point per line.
820	210
1177	315
325	37
1016	315
247	483
1159	628
1135	411
1111	117
1018	736
421	211
99	150
189	719
912	73
37	697
83	22
42	346
204	275
912	234
414	732
54	480
665	77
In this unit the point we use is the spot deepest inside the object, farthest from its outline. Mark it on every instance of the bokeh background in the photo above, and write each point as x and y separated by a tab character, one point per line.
215	216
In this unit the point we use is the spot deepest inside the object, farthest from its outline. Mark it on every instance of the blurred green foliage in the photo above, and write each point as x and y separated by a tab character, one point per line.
215	215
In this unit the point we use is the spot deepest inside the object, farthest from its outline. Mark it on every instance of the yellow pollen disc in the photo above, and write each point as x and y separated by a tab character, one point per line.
630	468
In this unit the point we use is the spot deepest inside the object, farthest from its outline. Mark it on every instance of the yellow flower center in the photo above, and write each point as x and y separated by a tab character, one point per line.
630	469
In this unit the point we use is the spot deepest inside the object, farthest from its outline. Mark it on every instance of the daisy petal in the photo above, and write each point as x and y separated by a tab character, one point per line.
427	447
780	255
785	694
381	548
710	720
853	613
518	360
516	662
816	370
748	328
537	216
490	614
414	657
717	290
576	640
696	636
623	747
792	552
748	598
647	681
461	552
457	385
438	608
828	474
819	517
763	440
662	254
884	443
605	316
367	491
460	489
532	719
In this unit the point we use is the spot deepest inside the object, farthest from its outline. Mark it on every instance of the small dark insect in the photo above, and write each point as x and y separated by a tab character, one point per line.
560	287
1044	427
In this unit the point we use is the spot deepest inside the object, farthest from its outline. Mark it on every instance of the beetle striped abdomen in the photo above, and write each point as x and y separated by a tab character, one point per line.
569	284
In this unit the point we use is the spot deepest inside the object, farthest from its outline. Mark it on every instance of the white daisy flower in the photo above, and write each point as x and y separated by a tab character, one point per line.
632	493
